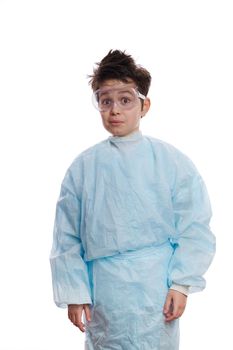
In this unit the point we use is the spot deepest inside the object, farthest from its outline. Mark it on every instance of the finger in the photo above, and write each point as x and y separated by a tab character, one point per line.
75	316
71	316
180	310
179	306
80	325
78	319
167	305
87	312
170	318
176	309
177	312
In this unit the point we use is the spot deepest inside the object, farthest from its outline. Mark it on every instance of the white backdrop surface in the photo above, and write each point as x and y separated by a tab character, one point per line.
47	49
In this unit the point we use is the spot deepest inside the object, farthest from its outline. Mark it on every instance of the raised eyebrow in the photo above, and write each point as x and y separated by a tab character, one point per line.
107	94
103	94
126	91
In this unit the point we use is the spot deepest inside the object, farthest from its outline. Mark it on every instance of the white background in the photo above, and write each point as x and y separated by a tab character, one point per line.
47	48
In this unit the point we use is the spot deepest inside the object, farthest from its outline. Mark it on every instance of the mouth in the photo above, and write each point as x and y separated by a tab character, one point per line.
116	122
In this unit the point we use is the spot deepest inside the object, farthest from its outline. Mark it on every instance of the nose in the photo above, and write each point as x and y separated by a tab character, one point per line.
114	108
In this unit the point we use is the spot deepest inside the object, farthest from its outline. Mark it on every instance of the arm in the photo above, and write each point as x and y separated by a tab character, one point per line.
69	270
194	244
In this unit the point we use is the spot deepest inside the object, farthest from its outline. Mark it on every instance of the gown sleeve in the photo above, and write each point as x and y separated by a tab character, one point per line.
194	243
69	270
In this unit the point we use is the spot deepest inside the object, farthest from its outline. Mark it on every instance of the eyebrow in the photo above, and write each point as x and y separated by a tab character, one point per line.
109	92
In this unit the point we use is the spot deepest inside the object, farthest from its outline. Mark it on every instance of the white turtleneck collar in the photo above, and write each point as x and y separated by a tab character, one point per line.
134	136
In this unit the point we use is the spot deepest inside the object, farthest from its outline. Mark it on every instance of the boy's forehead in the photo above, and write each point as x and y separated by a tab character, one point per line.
116	84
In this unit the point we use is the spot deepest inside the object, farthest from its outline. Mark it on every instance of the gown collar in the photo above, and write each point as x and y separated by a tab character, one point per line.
134	136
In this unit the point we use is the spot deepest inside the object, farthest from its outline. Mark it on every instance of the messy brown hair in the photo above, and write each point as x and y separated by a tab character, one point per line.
117	65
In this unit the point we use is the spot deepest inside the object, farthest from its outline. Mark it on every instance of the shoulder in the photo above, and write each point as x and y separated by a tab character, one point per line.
88	153
171	153
164	147
85	162
75	174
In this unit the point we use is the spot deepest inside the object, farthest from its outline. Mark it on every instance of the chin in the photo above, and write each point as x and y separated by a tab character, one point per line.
117	132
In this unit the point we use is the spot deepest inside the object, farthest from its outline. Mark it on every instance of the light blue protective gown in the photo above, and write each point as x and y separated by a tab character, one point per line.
132	219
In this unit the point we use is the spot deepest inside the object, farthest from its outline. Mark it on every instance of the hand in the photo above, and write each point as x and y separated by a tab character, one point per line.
174	305
75	315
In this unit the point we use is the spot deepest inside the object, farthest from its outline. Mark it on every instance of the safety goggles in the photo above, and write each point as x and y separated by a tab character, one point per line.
126	98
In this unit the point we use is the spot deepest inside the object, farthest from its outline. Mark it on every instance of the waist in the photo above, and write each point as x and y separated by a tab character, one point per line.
164	248
144	251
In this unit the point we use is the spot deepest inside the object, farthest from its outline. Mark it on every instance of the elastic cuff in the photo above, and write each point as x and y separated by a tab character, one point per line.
182	289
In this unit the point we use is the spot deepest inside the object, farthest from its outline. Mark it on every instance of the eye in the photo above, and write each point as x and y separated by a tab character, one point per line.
125	100
105	102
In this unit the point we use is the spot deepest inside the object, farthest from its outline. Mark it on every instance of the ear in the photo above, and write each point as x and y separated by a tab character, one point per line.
146	106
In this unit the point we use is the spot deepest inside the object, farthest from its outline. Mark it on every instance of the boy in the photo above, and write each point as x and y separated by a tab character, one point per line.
131	236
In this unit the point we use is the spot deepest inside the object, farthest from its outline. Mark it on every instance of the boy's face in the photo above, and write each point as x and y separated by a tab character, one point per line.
122	108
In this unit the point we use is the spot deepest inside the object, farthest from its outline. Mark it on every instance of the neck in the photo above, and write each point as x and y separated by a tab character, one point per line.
135	131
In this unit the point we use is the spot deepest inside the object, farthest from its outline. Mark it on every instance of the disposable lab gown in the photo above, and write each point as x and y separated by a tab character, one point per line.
132	219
